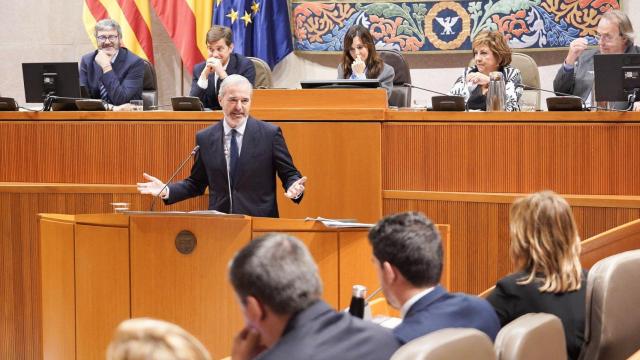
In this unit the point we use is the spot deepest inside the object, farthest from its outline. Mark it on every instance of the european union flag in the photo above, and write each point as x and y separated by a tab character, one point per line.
260	27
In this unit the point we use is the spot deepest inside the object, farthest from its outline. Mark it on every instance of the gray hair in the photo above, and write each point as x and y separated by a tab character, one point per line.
107	24
278	270
624	24
232	80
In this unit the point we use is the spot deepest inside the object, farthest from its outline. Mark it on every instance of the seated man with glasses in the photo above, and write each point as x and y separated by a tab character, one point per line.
575	76
111	73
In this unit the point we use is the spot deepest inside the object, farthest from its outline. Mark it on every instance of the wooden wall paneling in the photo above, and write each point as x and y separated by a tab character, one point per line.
323	246
514	157
102	286
199	296
58	289
342	163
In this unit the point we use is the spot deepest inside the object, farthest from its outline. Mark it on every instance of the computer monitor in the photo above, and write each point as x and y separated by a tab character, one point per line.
616	76
340	84
42	80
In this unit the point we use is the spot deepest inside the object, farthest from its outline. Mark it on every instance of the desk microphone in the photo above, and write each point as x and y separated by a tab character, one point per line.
227	154
557	99
192	153
423	89
443	102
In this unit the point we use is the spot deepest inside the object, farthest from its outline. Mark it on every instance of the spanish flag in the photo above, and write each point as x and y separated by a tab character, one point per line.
187	23
134	19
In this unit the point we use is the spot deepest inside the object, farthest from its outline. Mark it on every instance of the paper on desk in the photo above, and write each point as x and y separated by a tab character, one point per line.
339	223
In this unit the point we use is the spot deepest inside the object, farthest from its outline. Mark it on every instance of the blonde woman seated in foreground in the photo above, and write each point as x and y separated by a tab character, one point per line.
150	339
545	249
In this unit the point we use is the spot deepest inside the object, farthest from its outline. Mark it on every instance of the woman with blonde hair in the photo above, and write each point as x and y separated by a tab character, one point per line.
545	249
150	339
491	53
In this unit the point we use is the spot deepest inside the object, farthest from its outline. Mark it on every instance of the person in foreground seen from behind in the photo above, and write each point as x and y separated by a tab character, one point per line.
545	249
407	252
150	339
277	284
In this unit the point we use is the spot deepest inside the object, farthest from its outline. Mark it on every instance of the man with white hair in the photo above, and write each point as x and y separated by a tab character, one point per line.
238	159
112	72
575	76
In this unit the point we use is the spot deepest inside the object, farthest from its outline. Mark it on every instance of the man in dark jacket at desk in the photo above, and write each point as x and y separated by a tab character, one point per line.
112	73
221	63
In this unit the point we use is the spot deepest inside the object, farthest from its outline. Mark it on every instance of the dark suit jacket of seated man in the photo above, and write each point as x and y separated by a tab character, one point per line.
407	250
238	64
264	153
123	83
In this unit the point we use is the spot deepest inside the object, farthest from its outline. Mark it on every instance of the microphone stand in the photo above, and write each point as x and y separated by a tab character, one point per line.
584	104
226	156
192	153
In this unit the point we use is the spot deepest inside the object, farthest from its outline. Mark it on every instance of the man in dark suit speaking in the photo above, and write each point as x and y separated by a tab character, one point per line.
238	159
111	73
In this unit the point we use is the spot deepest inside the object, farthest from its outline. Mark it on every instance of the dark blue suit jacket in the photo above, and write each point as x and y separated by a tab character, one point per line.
238	64
440	309
320	332
264	153
123	83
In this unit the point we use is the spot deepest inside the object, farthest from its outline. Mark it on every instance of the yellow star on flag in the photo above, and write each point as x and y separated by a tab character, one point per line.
255	7
246	18
233	15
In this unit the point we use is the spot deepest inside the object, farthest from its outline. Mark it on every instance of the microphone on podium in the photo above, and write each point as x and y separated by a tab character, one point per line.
443	102
227	154
192	153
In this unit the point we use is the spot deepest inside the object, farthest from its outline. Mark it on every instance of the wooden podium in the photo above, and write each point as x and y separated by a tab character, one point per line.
98	270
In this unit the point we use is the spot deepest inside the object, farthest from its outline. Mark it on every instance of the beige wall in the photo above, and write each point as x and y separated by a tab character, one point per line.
53	31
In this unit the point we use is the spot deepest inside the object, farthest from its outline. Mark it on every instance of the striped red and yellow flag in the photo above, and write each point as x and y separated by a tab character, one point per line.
187	23
134	19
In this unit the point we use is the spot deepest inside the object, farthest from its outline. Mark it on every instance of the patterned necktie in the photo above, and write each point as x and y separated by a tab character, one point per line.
233	161
104	95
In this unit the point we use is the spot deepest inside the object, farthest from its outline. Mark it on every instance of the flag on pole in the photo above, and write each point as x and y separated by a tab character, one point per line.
134	19
187	23
261	28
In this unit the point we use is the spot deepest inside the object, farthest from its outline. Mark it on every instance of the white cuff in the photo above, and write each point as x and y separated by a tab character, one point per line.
203	83
164	195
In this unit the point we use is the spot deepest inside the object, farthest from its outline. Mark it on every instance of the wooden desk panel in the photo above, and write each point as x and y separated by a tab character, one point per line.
597	159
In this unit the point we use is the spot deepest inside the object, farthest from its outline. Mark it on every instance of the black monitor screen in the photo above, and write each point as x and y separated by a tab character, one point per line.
56	79
616	76
339	84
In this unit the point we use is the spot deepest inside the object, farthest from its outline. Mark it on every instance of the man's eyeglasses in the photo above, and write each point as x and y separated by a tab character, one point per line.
606	37
103	38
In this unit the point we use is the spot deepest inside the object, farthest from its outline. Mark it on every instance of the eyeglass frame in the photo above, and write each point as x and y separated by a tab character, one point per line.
606	37
103	38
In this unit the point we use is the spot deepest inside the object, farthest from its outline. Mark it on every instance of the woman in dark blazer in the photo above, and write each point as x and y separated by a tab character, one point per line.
545	248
